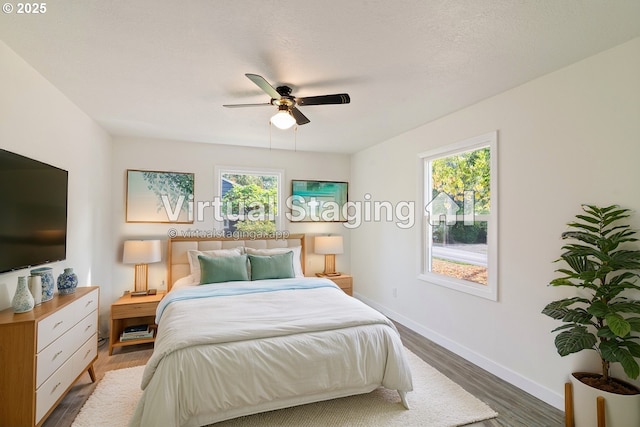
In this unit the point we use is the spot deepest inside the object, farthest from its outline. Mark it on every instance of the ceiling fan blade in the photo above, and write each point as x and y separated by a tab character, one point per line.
301	119
339	98
264	85
246	105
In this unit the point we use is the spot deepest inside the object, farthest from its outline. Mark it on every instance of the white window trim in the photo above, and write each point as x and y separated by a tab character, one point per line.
220	170
489	291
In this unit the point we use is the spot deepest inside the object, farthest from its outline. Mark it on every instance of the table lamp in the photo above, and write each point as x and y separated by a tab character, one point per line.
141	253
329	246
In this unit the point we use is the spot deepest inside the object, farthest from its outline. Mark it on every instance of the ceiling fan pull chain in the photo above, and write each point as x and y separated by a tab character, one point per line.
295	138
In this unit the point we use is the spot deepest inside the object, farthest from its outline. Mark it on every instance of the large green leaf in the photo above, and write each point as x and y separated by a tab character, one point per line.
611	351
605	332
625	260
578	263
614	216
618	324
570	273
625	276
578	315
592	210
623	236
610	291
574	340
625	306
610	230
588	238
634	348
584	251
558	309
565	326
599	309
587	218
563	281
634	322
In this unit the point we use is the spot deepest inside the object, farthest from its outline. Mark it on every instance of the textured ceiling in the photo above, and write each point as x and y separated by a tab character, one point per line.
160	68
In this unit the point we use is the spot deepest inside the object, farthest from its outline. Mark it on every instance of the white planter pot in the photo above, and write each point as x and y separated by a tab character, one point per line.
620	410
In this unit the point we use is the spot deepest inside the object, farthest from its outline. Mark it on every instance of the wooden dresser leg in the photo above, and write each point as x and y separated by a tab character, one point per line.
92	373
568	405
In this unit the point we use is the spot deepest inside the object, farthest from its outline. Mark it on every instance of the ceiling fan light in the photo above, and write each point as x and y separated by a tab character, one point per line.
283	119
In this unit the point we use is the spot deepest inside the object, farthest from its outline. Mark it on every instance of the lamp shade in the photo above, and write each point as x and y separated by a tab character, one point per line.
141	252
283	119
328	245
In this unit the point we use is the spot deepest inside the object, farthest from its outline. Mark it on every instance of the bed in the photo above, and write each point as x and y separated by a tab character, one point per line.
233	348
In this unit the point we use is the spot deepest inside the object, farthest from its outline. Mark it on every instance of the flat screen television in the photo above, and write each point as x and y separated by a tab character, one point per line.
33	212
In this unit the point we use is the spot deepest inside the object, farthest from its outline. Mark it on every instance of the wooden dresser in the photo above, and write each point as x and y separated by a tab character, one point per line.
43	352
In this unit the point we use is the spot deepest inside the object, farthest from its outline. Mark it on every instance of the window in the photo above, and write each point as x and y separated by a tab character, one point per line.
459	224
250	200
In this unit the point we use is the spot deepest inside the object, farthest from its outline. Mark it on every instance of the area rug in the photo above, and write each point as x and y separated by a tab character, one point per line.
435	402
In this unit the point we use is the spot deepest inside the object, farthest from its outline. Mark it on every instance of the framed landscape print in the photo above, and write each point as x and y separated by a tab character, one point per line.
318	201
154	196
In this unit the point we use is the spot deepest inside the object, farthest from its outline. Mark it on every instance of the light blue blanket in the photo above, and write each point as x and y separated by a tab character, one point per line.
226	289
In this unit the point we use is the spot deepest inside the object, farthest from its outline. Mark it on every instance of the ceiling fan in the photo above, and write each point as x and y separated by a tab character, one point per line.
288	113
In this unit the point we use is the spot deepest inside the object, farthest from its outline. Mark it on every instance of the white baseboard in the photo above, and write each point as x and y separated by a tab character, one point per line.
543	393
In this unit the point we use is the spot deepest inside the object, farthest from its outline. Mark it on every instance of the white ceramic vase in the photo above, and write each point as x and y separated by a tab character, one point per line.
22	300
35	287
620	410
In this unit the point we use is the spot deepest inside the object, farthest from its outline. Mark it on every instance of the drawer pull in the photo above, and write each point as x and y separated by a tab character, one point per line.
87	328
55	387
87	353
55	356
89	303
58	324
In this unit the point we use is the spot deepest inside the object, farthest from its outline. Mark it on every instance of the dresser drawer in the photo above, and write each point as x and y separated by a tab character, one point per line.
85	355
49	392
55	354
52	327
140	309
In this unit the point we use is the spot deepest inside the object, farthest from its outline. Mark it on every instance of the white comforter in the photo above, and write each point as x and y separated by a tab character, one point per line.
294	341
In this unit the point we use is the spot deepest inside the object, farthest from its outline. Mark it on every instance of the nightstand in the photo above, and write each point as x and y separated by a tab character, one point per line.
345	281
129	311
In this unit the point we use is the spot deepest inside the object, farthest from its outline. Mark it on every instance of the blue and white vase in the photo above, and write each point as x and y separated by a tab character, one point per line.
67	282
48	283
22	300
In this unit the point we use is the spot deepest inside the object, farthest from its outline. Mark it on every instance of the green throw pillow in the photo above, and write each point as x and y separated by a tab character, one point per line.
271	267
223	269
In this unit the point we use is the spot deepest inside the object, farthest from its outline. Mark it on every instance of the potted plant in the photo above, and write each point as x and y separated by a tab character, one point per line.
604	316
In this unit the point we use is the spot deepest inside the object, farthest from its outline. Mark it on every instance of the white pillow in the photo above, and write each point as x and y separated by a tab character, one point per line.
297	265
194	262
184	282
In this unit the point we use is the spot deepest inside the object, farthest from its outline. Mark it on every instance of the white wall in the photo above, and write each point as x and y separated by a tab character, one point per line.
567	138
200	159
37	121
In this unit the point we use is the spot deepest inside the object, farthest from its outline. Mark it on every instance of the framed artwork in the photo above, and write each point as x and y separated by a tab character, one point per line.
154	196
318	201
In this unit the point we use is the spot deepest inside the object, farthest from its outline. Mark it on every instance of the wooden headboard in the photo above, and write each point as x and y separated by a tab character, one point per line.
177	247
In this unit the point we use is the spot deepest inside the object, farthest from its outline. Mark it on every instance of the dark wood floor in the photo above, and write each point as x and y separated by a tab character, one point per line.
516	408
